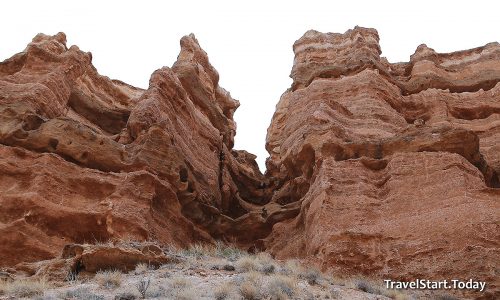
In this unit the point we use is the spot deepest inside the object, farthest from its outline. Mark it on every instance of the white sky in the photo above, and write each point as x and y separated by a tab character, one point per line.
249	43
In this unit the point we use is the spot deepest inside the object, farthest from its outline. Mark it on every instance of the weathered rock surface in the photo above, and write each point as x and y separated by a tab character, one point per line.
395	166
86	159
85	259
384	169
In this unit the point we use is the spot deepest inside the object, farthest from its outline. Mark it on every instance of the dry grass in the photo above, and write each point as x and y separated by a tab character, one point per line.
372	287
366	286
282	287
24	287
266	264
246	264
141	268
312	276
224	291
180	283
126	295
81	293
250	286
292	267
253	277
262	262
228	252
199	251
156	292
197	276
338	280
109	279
250	290
186	295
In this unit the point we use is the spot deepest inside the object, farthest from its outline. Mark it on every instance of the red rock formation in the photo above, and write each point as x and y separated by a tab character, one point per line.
388	170
395	166
85	158
84	260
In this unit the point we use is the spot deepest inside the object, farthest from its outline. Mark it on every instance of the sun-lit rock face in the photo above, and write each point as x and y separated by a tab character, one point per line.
376	168
392	168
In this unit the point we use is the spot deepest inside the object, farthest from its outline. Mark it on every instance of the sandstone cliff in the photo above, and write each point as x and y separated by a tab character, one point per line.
385	169
88	159
395	166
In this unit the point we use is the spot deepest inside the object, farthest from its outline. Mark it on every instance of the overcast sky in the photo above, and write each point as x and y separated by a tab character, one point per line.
249	43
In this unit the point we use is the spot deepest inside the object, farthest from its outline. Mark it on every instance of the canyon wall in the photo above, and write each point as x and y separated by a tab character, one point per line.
395	166
385	169
87	159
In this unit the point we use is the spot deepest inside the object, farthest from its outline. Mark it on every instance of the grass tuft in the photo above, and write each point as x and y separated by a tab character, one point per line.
224	291
228	252
281	286
109	279
249	291
312	276
141	268
246	264
24	287
81	293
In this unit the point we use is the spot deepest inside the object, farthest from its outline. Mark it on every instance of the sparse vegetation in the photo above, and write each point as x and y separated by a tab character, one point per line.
125	296
369	286
282	287
268	269
141	268
366	286
228	252
265	263
312	276
81	293
291	267
180	283
199	251
262	262
186	295
249	291
251	286
208	271
143	285
246	264
24	287
157	292
109	279
224	291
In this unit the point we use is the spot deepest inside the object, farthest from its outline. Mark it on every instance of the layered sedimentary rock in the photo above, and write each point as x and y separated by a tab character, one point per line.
376	168
87	159
395	166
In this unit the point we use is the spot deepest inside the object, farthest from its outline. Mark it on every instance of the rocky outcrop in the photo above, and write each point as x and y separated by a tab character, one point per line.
395	166
84	260
376	168
88	159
